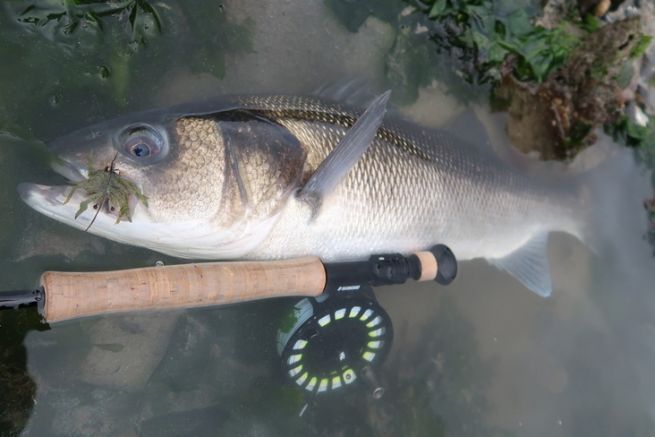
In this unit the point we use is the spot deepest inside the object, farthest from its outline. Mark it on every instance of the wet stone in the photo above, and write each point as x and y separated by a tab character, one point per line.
126	350
556	118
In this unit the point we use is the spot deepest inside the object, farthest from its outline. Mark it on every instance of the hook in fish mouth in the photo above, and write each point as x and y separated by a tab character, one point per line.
109	195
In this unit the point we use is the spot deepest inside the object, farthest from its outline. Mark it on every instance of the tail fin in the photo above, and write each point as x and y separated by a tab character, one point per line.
606	209
606	214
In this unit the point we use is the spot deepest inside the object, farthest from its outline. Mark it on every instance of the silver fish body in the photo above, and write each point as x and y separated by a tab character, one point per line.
224	183
413	188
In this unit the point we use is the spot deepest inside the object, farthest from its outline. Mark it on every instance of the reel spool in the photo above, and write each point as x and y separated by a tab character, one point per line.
334	342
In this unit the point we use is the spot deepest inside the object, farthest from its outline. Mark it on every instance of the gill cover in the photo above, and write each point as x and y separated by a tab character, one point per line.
263	165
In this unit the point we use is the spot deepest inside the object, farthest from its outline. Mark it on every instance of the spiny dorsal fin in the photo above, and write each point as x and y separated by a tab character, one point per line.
352	91
346	153
529	264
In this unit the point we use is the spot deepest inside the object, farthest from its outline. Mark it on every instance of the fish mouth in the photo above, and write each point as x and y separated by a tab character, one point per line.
68	170
62	202
51	201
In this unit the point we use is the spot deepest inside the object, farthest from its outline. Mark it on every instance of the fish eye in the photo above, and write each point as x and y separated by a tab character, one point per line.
141	142
140	148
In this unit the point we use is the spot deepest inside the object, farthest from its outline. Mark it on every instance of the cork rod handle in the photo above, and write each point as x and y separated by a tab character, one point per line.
72	295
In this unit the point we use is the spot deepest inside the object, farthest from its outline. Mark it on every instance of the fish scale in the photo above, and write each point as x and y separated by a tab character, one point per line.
409	190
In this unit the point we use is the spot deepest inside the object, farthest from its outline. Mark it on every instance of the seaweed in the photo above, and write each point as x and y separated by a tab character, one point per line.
483	41
69	16
640	137
492	33
557	117
640	48
105	188
16	385
102	56
213	39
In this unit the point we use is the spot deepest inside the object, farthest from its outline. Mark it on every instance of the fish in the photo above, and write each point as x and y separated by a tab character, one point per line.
279	176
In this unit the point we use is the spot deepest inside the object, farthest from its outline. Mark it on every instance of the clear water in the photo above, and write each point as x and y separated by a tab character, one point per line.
481	357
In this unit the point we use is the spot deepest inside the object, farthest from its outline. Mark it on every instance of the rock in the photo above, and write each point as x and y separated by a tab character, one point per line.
196	422
424	110
91	412
126	350
553	12
46	242
556	118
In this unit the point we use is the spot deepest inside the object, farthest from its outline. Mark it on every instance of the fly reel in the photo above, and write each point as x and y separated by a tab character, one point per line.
337	339
333	342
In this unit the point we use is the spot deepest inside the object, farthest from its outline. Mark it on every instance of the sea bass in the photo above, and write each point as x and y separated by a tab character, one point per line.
231	178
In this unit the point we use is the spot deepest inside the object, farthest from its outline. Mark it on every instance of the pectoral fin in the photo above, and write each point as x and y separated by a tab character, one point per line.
529	264
346	153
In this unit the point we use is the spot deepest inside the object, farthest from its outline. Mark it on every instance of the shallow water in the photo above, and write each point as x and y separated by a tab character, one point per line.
483	356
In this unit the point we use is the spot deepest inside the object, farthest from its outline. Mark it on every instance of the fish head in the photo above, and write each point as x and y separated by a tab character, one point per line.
199	186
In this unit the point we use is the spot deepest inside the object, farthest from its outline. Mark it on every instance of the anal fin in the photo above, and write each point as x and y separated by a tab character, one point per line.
529	264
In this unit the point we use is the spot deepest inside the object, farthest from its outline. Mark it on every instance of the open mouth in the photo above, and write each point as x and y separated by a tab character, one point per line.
93	196
51	200
69	171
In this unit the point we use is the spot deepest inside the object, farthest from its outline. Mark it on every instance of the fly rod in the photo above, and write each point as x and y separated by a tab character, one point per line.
69	295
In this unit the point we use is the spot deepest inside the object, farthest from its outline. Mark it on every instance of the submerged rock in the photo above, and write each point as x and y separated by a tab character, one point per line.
90	411
197	422
126	350
38	242
15	409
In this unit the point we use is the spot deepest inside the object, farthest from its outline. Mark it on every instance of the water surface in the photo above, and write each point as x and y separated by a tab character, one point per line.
483	356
